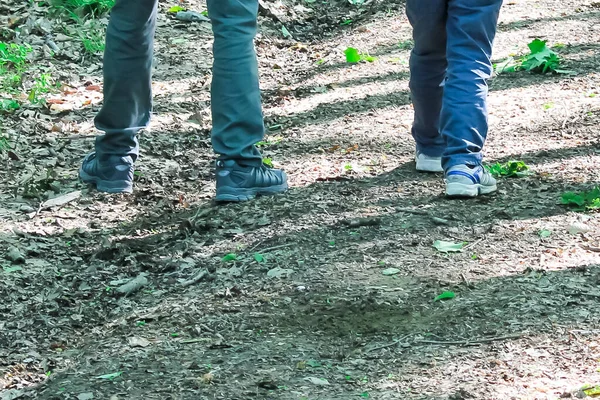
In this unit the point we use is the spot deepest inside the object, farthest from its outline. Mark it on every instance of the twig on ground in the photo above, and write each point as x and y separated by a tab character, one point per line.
595	249
362	221
133	285
196	278
465	280
412	211
281	246
385	346
475	243
436	220
468	342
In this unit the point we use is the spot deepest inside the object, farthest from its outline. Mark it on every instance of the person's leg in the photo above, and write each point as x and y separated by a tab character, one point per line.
427	74
235	94
127	77
236	104
127	95
471	28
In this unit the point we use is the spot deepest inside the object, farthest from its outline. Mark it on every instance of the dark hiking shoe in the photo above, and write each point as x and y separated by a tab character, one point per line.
241	183
113	175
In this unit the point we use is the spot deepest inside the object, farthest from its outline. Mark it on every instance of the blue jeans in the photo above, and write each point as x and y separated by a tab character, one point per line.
235	95
450	65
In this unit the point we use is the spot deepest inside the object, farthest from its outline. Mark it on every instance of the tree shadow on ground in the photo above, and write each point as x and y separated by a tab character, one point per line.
402	326
330	111
539	197
518	25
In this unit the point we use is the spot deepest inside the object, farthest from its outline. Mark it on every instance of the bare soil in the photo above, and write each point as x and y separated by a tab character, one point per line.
304	309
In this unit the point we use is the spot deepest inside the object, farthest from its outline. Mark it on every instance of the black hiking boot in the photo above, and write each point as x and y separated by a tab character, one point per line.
236	182
113	175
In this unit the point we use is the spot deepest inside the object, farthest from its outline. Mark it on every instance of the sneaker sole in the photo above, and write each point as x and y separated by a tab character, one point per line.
232	194
429	166
463	190
104	185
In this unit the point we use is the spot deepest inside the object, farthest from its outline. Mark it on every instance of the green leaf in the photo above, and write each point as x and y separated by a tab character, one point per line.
229	257
448	247
571	198
268	162
110	377
176	9
32	96
368	58
541	59
544	233
445	296
258	257
314	364
285	32
537	46
593	391
509	169
508	65
352	55
390	271
589	200
364	395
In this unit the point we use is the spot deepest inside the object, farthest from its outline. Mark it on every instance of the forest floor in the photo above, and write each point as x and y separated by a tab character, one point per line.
326	292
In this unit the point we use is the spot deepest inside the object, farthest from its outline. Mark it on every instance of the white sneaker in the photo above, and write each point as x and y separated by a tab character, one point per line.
467	181
428	164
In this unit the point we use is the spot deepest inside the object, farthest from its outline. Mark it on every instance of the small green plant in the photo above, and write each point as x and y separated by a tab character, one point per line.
268	162
43	84
8	105
540	60
512	168
175	9
229	257
406	45
353	56
586	200
92	38
271	142
82	8
13	60
4	145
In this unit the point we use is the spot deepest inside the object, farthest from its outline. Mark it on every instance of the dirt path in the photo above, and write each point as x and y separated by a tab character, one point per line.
294	297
